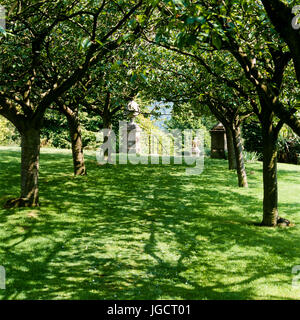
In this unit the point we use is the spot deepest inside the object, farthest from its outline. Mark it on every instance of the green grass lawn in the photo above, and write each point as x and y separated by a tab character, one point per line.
146	232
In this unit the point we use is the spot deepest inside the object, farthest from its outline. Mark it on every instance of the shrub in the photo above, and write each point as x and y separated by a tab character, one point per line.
252	136
250	156
8	133
288	149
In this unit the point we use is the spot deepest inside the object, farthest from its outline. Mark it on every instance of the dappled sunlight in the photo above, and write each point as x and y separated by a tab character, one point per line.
146	232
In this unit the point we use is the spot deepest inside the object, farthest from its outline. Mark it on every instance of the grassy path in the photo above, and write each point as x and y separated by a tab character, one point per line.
146	232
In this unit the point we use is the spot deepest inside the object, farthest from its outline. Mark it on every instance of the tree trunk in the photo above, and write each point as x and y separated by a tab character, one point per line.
30	144
270	202
77	147
240	163
230	148
107	124
30	155
281	16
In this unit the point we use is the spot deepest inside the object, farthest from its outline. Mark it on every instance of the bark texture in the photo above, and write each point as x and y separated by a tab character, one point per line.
77	146
270	202
240	163
230	147
281	16
107	124
30	155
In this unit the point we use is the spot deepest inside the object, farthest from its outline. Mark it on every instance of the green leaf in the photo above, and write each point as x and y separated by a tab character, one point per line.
216	41
3	31
86	43
190	20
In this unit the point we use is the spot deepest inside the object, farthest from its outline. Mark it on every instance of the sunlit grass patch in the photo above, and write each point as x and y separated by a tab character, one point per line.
146	232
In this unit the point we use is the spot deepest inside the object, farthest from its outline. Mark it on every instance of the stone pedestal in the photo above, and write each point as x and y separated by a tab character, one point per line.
133	138
133	131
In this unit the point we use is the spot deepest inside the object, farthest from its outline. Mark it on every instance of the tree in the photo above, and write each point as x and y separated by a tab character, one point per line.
50	46
209	30
114	85
107	90
281	16
70	108
182	79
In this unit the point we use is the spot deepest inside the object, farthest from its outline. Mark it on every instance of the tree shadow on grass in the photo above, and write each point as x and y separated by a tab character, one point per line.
142	232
